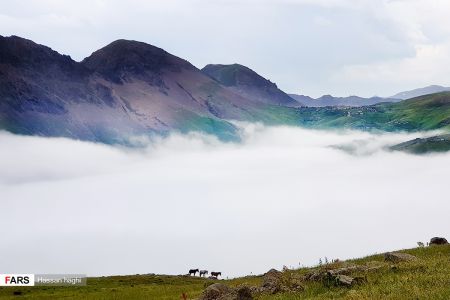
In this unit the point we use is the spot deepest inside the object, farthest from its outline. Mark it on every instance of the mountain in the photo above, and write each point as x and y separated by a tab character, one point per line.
247	83
129	88
432	89
328	100
125	89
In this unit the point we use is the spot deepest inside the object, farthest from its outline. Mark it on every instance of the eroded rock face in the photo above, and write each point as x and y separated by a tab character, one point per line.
438	241
396	257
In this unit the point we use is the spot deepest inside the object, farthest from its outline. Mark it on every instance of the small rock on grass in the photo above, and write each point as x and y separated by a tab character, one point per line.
438	241
396	257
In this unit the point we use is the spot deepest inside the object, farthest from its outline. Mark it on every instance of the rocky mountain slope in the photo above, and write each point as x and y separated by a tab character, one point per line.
125	89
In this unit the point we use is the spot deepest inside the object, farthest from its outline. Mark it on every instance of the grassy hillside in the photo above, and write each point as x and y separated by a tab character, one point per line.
428	277
440	143
423	113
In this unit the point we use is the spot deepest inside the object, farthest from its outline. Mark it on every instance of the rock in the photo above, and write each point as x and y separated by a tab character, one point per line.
345	271
396	257
275	282
272	281
315	275
244	293
438	241
344	280
219	291
215	291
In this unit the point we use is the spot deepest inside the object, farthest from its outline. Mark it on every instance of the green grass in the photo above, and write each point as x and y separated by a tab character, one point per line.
426	278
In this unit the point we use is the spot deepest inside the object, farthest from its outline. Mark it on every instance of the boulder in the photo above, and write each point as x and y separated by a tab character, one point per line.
276	282
244	293
438	241
272	281
219	291
344	280
215	291
396	257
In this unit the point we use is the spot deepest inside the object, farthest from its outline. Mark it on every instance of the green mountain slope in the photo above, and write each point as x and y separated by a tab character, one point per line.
423	113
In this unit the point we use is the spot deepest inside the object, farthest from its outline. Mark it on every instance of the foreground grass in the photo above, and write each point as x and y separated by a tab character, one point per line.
426	278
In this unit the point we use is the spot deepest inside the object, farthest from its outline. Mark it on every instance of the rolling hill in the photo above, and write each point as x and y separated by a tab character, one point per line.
429	112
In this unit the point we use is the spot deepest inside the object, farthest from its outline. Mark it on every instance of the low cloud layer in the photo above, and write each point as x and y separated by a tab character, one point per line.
283	196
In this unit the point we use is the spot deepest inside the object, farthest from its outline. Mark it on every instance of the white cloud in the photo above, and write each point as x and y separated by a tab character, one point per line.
283	196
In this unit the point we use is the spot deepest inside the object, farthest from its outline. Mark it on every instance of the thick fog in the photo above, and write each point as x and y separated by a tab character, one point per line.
283	196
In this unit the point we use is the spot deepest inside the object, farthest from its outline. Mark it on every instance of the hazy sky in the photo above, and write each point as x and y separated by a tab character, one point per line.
312	47
281	197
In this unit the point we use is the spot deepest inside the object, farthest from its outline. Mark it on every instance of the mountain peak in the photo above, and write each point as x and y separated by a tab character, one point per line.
236	74
21	52
122	58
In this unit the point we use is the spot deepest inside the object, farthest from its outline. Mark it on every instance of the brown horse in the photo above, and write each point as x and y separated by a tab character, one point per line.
216	274
193	271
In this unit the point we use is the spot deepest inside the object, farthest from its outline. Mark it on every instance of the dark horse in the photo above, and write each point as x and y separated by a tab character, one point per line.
216	274
193	271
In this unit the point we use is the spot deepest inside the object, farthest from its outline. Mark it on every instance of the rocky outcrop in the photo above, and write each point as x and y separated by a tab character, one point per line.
219	291
274	282
438	241
397	257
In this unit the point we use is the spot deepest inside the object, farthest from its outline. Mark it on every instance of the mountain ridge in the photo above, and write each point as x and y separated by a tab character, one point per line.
130	88
247	83
431	89
123	89
329	100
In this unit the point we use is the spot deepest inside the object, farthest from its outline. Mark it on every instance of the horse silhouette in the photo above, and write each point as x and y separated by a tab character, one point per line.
193	271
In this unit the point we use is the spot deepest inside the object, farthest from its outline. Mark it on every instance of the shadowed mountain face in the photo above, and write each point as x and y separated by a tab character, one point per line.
125	89
249	84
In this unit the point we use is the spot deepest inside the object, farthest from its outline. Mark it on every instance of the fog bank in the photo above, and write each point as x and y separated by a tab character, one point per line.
284	196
